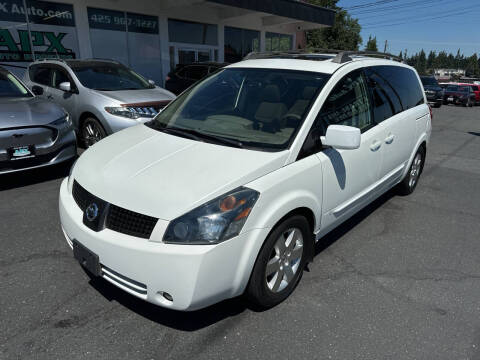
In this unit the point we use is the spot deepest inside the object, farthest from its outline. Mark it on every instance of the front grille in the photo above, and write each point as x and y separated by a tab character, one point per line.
117	219
129	222
81	196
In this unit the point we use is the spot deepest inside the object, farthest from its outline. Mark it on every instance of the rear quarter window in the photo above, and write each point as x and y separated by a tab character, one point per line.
40	74
405	83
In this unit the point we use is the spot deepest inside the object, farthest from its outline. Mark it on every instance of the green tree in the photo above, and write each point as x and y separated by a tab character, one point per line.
343	35
431	60
472	67
371	44
421	63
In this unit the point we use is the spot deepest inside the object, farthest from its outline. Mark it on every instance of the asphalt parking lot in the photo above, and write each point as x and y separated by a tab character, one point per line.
401	280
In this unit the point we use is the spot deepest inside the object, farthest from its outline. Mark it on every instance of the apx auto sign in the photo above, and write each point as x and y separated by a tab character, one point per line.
52	28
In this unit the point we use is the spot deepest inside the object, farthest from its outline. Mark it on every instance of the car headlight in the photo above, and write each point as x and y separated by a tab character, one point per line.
218	220
128	112
64	121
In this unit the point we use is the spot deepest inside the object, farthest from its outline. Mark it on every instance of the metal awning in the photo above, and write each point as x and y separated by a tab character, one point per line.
280	12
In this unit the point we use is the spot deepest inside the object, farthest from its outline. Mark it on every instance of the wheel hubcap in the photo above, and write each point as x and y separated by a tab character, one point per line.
91	133
415	170
284	260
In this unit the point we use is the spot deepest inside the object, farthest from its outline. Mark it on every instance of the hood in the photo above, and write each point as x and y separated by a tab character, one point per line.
138	96
32	111
432	87
165	176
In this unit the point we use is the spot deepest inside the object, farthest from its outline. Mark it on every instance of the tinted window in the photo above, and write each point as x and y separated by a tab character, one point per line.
196	72
40	75
240	42
108	76
60	76
386	100
405	82
452	88
427	80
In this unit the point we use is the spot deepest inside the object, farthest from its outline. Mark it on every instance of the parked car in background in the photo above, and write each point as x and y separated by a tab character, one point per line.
33	132
186	75
476	91
101	96
459	95
433	91
227	190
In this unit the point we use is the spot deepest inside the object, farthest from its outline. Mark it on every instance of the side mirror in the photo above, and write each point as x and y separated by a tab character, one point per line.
65	86
151	82
342	137
37	90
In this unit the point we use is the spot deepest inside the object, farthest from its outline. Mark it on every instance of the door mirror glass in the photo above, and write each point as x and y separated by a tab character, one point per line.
37	90
65	86
342	137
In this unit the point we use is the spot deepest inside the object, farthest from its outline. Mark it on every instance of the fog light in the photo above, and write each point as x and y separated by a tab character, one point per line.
168	296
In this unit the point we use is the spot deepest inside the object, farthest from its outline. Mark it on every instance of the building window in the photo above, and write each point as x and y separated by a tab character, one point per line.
180	31
129	38
240	42
278	42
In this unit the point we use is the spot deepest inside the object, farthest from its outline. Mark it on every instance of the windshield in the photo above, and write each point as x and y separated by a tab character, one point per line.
108	76
429	81
11	87
256	108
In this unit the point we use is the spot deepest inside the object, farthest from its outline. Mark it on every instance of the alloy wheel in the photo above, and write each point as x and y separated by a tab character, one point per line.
284	260
415	170
92	133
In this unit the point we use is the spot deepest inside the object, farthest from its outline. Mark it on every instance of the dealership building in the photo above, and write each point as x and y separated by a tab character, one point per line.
152	36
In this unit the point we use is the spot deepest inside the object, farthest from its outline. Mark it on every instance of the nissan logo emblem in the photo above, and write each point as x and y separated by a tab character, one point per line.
91	212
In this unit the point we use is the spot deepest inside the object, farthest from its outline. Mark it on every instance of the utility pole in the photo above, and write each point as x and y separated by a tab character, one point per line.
385	48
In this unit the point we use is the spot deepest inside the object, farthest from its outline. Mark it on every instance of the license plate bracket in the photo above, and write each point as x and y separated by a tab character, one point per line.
88	259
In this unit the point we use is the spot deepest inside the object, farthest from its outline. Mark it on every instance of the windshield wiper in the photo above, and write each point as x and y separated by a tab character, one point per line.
198	135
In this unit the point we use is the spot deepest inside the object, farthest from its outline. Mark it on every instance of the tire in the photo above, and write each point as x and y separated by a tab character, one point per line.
91	132
409	183
437	105
470	103
267	289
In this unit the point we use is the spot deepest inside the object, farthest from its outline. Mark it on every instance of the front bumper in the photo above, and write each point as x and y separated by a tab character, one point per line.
194	275
64	148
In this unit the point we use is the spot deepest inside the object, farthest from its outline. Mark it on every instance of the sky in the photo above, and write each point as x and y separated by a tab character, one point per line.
415	24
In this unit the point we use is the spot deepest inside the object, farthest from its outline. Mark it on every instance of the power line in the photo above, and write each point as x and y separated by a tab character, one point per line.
388	24
412	6
375	3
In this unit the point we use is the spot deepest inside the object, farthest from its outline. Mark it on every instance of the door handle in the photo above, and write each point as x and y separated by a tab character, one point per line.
49	97
389	139
375	145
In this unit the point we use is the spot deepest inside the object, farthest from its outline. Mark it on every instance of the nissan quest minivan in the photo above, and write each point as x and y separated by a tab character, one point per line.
226	191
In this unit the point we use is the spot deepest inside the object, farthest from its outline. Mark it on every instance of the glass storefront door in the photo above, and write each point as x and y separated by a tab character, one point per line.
191	55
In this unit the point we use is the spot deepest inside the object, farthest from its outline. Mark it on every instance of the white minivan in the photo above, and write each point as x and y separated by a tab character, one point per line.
226	191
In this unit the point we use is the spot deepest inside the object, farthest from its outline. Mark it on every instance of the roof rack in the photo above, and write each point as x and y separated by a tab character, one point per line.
102	59
337	56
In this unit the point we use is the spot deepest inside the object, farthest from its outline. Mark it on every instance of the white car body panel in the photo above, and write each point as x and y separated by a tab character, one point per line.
166	176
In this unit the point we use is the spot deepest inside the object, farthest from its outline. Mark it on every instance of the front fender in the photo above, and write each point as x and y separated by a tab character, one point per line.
297	185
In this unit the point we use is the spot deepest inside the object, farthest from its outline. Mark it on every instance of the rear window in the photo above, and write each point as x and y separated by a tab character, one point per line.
405	83
427	80
40	74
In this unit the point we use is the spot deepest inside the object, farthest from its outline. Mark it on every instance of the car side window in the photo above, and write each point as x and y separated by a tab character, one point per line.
60	76
405	82
41	75
347	104
196	72
385	100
